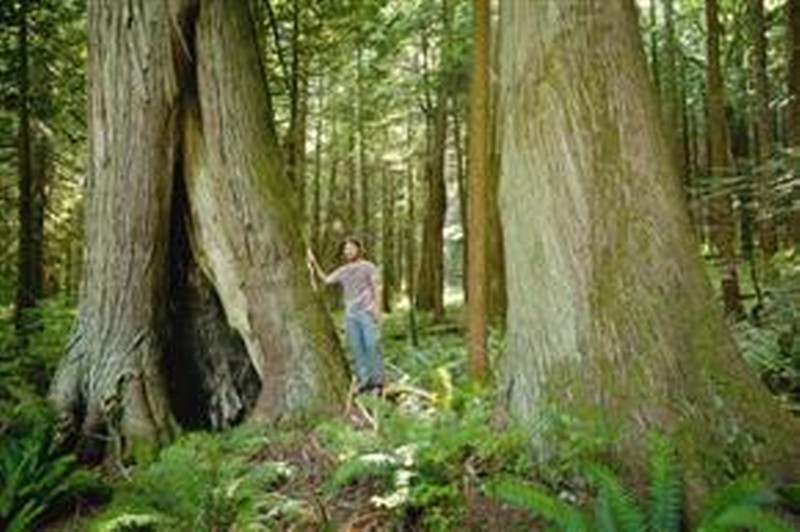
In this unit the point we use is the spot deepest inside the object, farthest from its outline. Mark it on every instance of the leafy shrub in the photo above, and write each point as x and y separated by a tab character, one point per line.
36	476
740	504
202	482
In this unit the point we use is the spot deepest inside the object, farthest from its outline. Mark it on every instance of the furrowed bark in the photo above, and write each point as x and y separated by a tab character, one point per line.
610	322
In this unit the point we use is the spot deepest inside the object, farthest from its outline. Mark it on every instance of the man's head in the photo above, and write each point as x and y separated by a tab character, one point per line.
352	249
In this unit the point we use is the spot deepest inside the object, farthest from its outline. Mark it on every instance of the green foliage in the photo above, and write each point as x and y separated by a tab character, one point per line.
26	367
741	504
538	501
36	476
202	482
424	463
664	489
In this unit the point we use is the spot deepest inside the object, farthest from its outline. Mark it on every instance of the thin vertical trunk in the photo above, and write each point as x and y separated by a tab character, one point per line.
478	170
316	192
655	66
352	182
721	166
671	93
411	240
363	174
593	214
388	239
430	286
461	185
793	118
29	269
763	131
298	110
495	261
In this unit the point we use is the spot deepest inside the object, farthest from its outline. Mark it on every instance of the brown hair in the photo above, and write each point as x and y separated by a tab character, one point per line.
356	242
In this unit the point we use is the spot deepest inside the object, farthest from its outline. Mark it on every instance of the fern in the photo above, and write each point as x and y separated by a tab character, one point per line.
539	502
620	507
749	518
35	476
664	489
361	466
740	505
746	491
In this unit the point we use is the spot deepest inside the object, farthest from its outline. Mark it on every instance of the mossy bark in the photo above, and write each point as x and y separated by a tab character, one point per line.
195	303
611	319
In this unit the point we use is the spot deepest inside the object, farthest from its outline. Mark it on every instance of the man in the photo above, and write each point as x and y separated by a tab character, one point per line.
361	284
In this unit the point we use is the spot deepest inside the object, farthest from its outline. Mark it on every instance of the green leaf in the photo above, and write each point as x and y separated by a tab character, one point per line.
538	502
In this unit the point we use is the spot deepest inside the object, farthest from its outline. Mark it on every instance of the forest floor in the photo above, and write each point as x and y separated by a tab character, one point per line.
429	455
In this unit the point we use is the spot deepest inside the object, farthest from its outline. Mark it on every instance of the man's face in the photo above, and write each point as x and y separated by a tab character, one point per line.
350	251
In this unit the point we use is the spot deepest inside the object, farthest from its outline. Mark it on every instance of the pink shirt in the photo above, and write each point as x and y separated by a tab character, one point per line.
358	279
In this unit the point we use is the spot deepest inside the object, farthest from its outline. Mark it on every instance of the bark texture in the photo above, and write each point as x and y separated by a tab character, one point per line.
610	319
193	277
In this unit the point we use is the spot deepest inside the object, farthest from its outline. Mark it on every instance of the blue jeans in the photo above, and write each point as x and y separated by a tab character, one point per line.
363	336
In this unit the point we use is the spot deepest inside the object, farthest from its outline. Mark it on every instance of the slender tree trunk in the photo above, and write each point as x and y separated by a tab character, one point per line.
671	105
31	208
411	241
298	110
721	163
388	239
793	119
610	319
194	255
478	170
430	287
495	261
461	184
316	193
363	175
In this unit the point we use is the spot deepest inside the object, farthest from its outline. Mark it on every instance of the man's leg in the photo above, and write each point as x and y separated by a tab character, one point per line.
355	338
372	349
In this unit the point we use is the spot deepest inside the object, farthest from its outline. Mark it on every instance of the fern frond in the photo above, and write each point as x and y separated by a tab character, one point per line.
747	518
538	502
747	491
376	465
622	506
664	489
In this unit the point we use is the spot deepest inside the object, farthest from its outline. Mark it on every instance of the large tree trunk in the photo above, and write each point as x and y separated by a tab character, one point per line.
610	319
185	173
723	231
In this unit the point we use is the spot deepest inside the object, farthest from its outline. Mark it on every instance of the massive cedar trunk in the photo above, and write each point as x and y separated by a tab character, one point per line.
723	230
194	262
610	317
